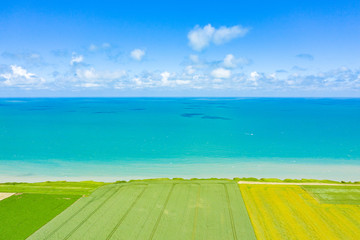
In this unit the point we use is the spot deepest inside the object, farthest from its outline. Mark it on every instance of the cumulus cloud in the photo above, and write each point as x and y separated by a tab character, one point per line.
182	82
165	81
20	77
76	59
155	80
230	61
87	73
254	76
190	69
137	54
92	74
89	85
225	34
305	56
165	78
221	73
220	78
200	38
91	78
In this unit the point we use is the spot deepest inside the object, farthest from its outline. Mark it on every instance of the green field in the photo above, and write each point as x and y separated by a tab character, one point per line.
60	187
179	209
155	210
285	212
335	194
21	215
36	204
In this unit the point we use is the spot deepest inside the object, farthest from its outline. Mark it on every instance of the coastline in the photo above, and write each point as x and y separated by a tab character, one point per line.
21	171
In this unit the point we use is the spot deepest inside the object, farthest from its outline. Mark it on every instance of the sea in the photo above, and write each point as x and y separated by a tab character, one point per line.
109	139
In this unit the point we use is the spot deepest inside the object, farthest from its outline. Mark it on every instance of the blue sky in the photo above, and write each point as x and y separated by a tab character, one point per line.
183	48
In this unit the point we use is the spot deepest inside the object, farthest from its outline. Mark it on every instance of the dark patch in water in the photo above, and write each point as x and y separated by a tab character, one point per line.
215	117
137	109
190	115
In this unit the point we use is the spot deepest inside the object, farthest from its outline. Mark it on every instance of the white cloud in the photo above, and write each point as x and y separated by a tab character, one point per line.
21	72
87	73
200	38
190	70
90	78
137	54
221	73
20	77
182	82
165	78
90	85
137	81
273	75
92	74
76	59
229	61
254	77
214	76
225	34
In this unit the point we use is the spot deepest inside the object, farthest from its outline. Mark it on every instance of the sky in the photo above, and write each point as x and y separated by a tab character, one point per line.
180	48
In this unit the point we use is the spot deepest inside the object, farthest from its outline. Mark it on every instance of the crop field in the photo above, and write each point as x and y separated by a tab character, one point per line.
155	210
335	195
21	215
307	212
35	204
60	187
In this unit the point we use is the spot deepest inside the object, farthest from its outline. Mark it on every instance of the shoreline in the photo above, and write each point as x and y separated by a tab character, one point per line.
261	181
23	171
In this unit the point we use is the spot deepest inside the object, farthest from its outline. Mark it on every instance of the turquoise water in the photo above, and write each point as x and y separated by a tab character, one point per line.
149	137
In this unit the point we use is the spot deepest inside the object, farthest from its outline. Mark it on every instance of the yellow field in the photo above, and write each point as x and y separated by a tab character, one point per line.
290	212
